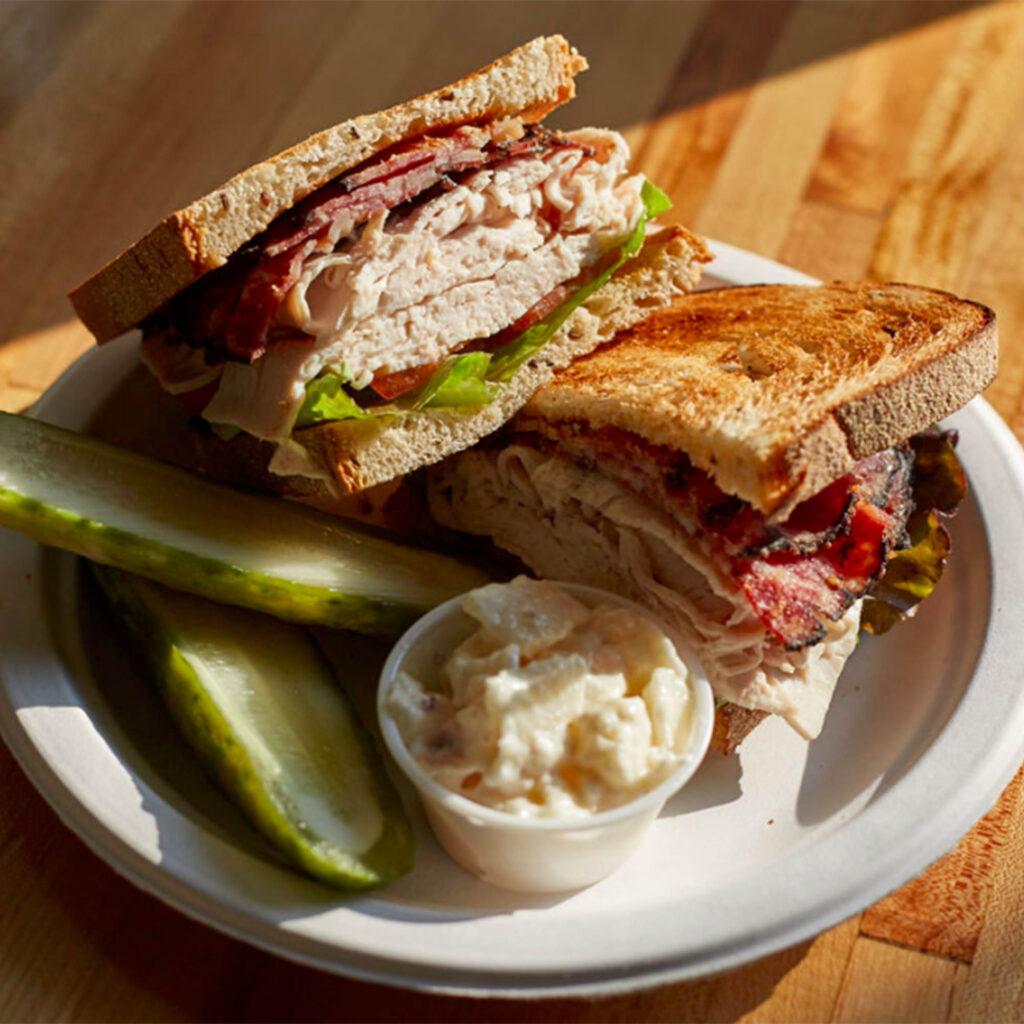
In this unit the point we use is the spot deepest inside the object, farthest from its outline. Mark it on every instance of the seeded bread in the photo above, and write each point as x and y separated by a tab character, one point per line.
776	390
527	83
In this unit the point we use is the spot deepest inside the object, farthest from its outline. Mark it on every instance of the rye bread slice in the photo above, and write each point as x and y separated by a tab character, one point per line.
527	83
733	725
777	390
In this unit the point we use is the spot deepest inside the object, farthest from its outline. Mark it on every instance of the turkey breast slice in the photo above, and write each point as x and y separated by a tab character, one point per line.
569	523
419	282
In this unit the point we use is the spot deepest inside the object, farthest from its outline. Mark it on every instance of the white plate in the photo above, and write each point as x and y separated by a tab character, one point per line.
757	853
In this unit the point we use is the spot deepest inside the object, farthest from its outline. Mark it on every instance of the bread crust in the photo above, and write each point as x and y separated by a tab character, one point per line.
528	83
777	390
732	726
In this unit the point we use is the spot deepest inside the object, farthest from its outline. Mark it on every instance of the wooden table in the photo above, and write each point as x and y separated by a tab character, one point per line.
850	140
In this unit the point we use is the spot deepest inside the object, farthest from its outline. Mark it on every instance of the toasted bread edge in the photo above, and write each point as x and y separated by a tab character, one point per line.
892	412
528	82
732	726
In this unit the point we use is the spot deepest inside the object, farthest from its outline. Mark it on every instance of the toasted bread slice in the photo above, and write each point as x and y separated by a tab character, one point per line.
527	83
733	725
777	390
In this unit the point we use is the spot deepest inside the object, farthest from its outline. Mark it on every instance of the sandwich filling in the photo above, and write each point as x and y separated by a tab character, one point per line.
773	609
422	279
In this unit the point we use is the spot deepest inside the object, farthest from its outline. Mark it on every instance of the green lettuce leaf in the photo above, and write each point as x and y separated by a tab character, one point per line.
912	573
507	359
939	480
327	399
878	616
655	201
462	380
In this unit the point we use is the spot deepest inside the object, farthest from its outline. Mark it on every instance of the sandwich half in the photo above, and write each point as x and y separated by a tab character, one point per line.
393	288
746	464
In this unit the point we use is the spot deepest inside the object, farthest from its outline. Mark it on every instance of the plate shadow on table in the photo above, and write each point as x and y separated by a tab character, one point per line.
725	998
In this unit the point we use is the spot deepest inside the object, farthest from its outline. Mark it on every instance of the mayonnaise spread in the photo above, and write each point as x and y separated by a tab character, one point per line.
552	708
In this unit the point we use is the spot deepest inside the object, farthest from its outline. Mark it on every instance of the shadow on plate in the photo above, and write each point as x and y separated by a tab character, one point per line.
900	690
717	782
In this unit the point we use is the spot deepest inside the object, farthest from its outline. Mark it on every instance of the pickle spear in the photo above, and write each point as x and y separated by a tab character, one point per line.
123	509
262	709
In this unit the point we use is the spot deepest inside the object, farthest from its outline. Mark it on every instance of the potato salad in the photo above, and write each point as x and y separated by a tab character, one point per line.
551	708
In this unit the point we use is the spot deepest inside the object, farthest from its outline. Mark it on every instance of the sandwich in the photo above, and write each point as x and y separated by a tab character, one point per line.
393	288
756	465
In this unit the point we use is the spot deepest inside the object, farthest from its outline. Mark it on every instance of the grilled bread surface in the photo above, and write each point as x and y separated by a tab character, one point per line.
527	83
777	390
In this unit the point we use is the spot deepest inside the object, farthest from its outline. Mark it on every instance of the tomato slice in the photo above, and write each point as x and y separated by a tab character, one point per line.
391	385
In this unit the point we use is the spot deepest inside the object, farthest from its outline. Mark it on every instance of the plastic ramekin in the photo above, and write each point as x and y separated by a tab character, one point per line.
530	854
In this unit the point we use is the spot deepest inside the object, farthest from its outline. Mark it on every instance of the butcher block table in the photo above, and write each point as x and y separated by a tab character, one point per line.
850	140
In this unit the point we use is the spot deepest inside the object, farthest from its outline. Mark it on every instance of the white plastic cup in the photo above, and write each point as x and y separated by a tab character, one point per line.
530	854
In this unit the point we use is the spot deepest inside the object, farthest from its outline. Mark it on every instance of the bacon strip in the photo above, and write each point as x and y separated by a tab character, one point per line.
795	575
233	310
793	593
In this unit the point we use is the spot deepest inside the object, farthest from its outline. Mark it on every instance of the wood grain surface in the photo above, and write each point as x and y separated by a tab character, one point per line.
879	140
